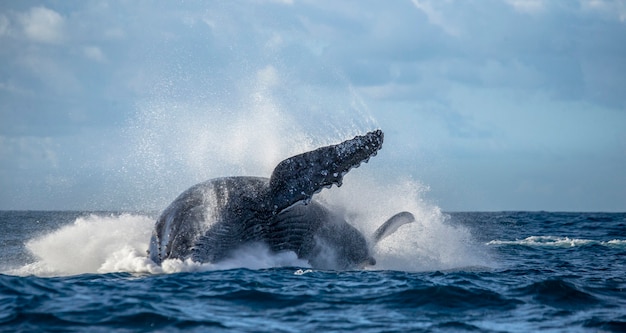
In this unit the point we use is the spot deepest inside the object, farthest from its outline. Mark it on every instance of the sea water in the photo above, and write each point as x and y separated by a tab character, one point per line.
487	272
479	272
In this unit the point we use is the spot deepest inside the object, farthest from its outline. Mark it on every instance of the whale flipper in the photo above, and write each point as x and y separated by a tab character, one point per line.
299	177
391	225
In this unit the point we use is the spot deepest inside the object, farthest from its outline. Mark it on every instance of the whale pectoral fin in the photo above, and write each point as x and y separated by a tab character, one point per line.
299	177
391	225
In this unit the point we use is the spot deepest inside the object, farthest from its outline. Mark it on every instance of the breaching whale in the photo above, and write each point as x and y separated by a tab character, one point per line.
211	220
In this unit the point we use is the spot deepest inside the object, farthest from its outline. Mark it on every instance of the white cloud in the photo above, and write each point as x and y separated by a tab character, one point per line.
284	2
12	88
43	25
610	7
527	6
114	34
435	17
4	25
209	22
447	78
53	73
94	53
27	152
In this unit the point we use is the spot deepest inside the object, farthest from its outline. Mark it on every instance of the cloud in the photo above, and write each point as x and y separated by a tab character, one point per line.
52	72
12	89
29	152
463	80
4	25
527	6
611	8
435	17
43	25
94	53
284	2
114	34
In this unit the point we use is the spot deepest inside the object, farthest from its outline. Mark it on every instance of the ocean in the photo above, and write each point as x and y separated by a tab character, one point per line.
451	272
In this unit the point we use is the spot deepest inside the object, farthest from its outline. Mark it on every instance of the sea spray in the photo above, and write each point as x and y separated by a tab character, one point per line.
87	244
557	241
430	243
175	142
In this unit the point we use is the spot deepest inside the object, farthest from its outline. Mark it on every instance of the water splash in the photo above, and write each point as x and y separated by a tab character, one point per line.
430	243
557	241
174	143
91	244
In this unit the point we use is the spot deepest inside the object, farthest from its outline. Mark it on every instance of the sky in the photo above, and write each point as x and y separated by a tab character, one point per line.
491	104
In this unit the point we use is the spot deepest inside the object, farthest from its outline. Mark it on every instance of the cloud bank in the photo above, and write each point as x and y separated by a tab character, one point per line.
497	105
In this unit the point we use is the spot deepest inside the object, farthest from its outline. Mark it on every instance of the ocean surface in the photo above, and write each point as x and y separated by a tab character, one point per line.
451	272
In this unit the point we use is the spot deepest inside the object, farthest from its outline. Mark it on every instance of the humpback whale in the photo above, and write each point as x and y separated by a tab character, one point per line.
211	220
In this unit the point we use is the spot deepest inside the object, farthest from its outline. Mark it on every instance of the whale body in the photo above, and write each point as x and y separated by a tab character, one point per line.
208	222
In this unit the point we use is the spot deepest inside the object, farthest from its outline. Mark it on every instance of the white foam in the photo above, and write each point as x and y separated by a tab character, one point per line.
621	243
251	256
557	241
302	271
429	243
92	244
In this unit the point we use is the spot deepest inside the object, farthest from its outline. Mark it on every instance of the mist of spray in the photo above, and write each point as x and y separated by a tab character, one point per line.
175	142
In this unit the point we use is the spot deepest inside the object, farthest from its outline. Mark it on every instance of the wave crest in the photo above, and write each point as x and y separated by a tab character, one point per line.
558	241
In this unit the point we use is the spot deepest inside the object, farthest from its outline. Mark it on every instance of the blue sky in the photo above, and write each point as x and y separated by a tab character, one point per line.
493	104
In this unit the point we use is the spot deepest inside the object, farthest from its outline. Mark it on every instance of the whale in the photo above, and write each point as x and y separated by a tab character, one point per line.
211	220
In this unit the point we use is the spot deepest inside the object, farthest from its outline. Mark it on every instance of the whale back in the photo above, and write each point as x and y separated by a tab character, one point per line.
206	221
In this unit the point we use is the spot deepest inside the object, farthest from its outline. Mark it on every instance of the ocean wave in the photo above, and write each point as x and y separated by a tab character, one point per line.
558	241
558	293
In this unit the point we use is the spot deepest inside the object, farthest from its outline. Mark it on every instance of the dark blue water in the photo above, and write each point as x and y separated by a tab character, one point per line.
550	272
